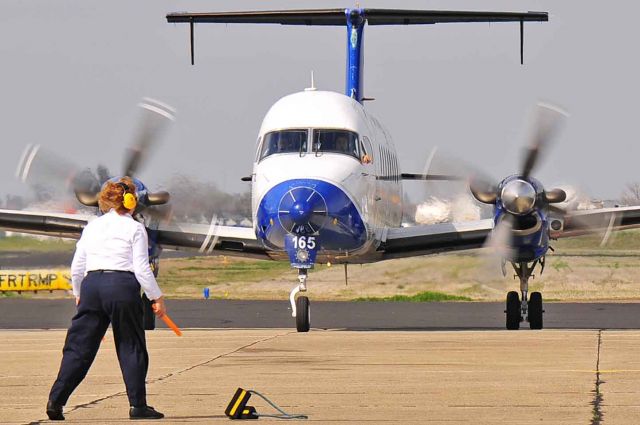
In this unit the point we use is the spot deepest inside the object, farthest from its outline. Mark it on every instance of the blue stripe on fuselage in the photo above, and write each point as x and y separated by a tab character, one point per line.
343	228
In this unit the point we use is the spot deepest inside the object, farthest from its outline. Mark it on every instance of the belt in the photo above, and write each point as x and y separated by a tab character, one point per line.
109	271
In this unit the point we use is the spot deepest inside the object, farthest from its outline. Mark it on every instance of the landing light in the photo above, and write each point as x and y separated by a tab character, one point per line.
302	255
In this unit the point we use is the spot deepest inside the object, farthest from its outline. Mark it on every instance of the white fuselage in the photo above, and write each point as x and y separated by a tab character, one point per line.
372	184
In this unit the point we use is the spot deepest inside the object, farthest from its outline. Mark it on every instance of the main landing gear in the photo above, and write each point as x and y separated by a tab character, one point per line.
518	309
300	307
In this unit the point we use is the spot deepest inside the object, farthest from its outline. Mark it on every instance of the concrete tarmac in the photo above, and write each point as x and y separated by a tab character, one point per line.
345	377
439	363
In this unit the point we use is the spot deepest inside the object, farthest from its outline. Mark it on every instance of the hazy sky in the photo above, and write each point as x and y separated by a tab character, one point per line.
73	71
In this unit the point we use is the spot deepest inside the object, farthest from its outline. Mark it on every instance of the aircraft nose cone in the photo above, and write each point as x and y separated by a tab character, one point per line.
300	212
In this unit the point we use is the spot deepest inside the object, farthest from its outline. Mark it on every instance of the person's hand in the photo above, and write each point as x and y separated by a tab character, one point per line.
77	300
159	309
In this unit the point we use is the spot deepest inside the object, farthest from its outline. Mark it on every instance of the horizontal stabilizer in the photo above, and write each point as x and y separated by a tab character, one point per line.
422	17
353	19
283	17
339	17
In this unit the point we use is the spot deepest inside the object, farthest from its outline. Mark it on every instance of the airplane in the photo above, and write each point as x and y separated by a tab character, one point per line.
327	186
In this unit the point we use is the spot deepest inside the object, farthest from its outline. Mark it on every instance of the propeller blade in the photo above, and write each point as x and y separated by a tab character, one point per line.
571	209
39	166
500	240
483	191
86	187
446	188
578	224
156	117
492	259
547	123
158	198
54	178
159	214
556	196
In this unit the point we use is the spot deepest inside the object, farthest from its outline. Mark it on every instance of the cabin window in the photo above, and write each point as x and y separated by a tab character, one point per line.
284	141
336	141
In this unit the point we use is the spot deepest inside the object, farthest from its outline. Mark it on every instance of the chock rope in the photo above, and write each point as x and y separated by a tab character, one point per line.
283	414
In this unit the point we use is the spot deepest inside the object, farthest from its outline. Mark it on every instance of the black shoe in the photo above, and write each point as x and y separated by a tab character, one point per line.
54	411
144	412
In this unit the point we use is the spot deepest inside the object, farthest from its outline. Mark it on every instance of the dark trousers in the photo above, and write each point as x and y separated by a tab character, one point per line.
105	297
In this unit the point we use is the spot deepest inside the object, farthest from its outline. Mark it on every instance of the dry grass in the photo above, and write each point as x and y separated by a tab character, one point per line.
564	278
579	270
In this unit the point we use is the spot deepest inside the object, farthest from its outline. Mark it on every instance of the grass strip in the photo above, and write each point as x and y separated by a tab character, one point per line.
29	244
420	297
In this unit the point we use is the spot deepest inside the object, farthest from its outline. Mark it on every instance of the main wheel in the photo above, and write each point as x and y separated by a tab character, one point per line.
303	316
535	310
513	310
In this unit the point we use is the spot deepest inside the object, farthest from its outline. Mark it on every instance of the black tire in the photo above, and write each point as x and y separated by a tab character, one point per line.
535	310
302	314
513	311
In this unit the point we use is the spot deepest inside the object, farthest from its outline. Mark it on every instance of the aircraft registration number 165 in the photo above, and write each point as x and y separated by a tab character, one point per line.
304	242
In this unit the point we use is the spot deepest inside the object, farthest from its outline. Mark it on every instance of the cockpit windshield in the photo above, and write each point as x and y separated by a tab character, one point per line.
339	141
284	141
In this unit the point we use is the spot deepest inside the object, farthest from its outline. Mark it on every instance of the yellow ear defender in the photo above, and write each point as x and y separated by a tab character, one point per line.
129	201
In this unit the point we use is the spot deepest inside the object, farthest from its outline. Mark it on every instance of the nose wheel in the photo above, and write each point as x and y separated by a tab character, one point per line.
303	314
519	308
300	307
513	311
535	310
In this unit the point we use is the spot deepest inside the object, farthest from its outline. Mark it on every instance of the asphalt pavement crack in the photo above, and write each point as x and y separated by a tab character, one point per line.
596	411
187	369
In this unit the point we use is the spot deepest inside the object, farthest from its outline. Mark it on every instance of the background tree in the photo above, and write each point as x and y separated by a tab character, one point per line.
631	194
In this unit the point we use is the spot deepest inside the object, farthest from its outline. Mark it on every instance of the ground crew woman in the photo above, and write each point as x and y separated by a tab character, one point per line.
110	265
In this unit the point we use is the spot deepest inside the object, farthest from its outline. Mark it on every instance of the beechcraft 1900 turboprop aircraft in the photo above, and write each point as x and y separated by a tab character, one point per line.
327	186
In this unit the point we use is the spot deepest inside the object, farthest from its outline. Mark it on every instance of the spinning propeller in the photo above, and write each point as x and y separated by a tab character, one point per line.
519	195
46	171
519	198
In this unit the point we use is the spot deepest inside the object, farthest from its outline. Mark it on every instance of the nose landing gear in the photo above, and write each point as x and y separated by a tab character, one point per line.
300	307
519	309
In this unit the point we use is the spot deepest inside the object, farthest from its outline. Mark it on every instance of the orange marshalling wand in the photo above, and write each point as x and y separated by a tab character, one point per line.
172	325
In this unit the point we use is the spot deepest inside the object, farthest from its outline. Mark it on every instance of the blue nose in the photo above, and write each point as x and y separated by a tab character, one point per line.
310	207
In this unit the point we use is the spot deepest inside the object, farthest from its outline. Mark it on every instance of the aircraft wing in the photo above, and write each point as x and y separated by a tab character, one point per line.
435	238
445	237
237	241
211	239
44	223
576	223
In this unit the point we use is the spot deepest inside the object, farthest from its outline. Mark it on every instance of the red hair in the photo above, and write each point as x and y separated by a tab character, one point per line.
112	195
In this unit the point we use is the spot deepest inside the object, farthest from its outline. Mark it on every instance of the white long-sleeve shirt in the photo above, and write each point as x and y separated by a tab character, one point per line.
114	242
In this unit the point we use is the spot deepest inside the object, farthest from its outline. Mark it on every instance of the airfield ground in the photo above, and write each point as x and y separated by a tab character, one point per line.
462	375
487	377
